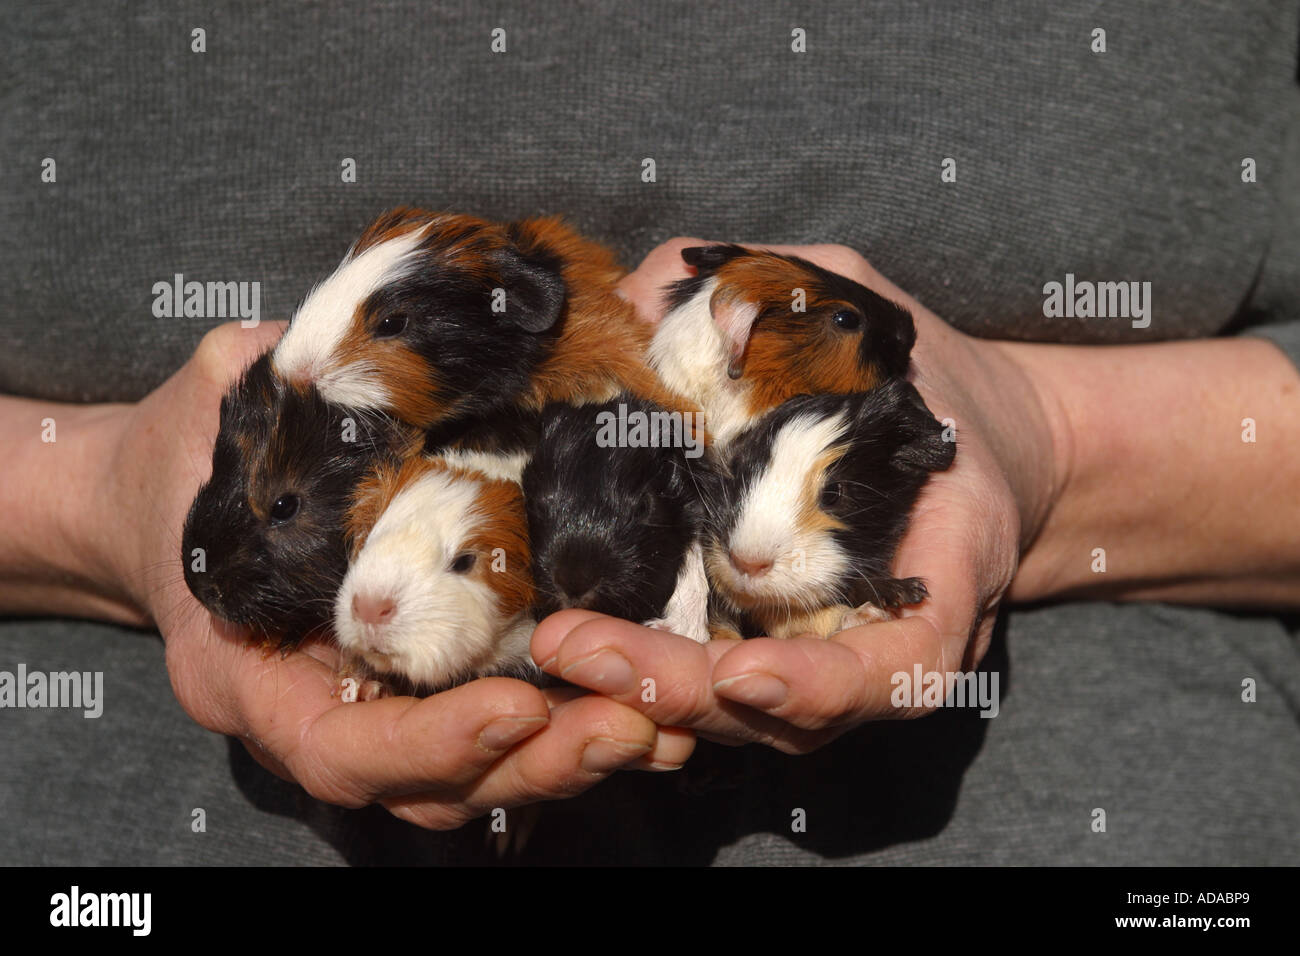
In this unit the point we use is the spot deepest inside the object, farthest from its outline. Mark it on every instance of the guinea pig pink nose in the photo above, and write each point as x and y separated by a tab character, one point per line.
369	609
755	569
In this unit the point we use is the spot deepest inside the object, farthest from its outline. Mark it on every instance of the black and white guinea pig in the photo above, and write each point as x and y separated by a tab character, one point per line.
614	509
812	503
263	542
734	342
439	589
440	319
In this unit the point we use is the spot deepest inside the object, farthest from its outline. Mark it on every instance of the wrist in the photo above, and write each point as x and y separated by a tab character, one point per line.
53	553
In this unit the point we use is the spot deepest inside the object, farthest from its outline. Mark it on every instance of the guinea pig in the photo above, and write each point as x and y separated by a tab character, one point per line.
439	589
812	503
440	319
263	541
752	329
614	509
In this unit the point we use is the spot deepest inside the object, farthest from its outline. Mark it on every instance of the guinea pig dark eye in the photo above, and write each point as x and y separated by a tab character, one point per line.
285	507
831	495
391	325
464	563
847	319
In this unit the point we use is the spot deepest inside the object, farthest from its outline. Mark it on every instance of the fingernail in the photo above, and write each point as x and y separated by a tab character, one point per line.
761	691
507	731
604	754
663	767
605	671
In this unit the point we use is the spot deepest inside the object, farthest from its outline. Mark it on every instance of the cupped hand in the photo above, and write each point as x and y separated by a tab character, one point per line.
966	535
437	762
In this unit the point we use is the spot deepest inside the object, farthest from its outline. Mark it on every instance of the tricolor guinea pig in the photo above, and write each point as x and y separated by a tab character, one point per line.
614	509
439	589
441	319
810	509
734	341
263	540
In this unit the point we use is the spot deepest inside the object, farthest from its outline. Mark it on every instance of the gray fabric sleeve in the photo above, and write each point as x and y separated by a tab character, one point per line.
1275	304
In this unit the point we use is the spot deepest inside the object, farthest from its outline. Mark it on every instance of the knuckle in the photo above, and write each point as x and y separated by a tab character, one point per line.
218	344
847	261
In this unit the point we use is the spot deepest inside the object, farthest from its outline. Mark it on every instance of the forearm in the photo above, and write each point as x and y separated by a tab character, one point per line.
55	556
1153	470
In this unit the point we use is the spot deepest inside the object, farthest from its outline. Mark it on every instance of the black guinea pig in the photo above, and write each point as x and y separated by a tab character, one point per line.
613	500
801	532
263	542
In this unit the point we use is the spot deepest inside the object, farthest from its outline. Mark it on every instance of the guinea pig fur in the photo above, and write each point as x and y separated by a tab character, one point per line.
811	506
614	529
732	341
263	542
440	319
439	587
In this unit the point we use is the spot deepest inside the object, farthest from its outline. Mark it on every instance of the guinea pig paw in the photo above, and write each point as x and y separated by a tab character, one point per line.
347	690
352	689
866	614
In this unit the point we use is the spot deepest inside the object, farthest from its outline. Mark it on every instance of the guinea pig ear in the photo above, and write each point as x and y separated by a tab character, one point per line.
534	289
735	319
708	259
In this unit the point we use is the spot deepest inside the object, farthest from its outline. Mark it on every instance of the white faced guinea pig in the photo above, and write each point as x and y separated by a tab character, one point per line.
752	329
801	533
442	319
439	586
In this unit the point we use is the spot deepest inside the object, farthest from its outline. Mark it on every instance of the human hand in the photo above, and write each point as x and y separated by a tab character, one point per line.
437	762
965	539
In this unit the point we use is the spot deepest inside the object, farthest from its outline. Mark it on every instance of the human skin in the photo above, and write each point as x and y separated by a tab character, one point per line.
92	528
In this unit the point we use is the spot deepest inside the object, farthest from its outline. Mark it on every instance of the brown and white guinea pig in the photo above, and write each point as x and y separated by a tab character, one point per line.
812	503
439	589
614	510
732	342
263	541
440	319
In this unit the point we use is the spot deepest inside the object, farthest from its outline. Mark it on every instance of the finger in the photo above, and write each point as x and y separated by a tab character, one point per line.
673	747
665	676
814	683
353	754
587	740
664	264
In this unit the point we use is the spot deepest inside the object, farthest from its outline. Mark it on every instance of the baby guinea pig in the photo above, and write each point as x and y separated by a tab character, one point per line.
440	319
614	507
732	341
263	541
814	500
439	588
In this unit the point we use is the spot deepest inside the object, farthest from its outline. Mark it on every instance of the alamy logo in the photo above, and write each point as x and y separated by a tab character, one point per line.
208	300
1101	300
75	908
950	689
73	689
660	429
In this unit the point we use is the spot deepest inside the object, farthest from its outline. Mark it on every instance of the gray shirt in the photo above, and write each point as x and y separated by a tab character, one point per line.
1117	166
